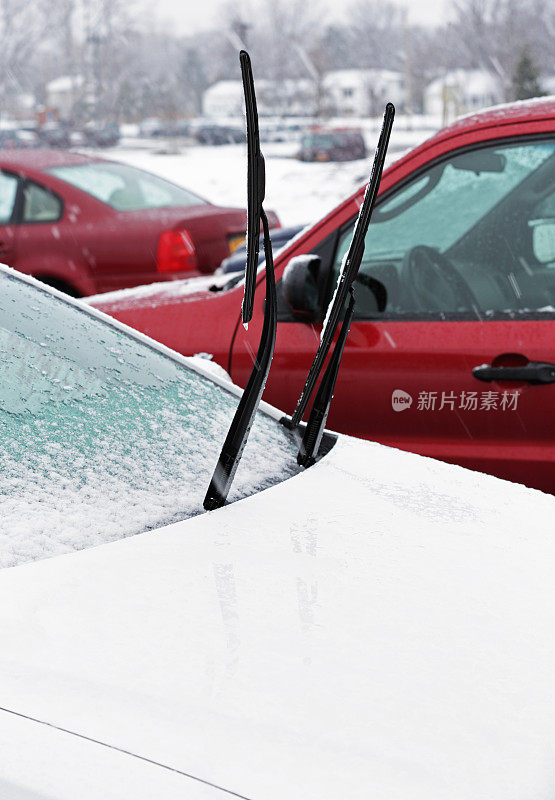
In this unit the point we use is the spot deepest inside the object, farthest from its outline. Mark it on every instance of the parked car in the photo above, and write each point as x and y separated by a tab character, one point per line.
217	134
87	225
332	145
279	236
152	126
102	134
18	138
378	625
463	238
52	134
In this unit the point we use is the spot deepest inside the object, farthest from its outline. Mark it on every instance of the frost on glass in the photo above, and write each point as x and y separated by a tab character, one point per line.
455	203
104	437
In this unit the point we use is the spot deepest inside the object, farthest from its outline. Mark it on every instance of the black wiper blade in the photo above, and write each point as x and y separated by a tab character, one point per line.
349	269
256	183
241	424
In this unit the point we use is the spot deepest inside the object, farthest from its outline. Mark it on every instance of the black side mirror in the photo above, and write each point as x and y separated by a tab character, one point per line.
300	286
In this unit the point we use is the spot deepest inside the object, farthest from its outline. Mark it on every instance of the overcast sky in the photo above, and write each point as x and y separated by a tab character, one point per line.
188	16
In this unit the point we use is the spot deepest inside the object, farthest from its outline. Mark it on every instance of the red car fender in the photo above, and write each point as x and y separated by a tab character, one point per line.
57	269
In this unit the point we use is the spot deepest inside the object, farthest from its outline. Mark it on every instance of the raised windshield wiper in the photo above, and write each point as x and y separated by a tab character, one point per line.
256	182
241	424
349	270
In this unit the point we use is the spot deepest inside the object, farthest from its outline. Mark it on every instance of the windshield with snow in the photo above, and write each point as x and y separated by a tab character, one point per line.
104	436
125	188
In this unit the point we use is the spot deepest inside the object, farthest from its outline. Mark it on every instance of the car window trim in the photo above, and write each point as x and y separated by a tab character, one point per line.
400	185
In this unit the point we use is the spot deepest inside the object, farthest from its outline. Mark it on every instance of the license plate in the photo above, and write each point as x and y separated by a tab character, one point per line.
235	241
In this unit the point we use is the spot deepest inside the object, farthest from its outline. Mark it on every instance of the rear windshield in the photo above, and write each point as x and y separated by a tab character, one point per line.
102	435
125	188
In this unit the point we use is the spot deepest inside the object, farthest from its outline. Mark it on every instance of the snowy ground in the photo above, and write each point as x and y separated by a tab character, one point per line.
299	192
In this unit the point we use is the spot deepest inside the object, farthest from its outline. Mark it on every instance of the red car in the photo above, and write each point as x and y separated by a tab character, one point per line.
87	225
461	364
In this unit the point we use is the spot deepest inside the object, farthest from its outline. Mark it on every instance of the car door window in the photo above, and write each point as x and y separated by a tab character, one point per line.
103	435
8	192
471	238
39	204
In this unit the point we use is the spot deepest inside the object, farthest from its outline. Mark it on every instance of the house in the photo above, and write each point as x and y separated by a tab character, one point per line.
289	97
461	91
62	94
223	99
362	92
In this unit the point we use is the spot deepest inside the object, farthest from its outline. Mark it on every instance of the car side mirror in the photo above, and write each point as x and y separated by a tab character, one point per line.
543	239
300	286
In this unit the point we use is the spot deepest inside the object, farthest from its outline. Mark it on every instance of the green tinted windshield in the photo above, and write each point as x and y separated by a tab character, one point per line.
441	206
123	187
104	436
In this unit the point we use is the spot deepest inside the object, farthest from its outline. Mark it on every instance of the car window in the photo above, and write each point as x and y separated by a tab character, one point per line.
461	239
40	205
103	436
125	188
8	191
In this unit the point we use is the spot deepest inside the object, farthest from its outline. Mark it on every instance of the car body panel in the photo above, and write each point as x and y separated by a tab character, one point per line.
40	762
425	356
338	634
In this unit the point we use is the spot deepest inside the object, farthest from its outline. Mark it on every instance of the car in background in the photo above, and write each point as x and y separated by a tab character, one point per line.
19	139
151	126
279	236
52	134
87	225
102	134
332	145
460	365
346	626
213	134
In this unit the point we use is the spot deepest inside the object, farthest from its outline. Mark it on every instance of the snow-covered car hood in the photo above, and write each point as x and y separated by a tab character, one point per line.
380	625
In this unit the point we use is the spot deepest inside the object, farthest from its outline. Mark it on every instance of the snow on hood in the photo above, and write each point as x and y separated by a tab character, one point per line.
156	294
381	625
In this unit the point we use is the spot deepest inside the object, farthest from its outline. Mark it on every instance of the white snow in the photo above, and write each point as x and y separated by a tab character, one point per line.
379	626
158	293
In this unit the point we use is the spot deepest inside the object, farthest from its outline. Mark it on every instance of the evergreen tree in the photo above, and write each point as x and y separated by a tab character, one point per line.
525	77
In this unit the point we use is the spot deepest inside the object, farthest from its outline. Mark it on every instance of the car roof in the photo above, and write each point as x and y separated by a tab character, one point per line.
42	159
504	114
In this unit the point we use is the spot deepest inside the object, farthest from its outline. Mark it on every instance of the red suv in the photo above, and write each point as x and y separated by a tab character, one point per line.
461	363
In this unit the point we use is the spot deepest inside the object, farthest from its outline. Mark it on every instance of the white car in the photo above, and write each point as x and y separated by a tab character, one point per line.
380	625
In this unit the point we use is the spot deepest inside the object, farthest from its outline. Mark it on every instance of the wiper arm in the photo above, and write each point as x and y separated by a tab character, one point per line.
349	269
241	424
320	408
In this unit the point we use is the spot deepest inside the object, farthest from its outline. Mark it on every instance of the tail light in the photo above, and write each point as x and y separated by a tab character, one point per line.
176	252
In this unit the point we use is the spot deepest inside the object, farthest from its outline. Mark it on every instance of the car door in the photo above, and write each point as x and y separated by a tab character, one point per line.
465	248
9	184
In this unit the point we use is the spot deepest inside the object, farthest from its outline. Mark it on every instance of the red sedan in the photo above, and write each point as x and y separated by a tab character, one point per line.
87	225
461	363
